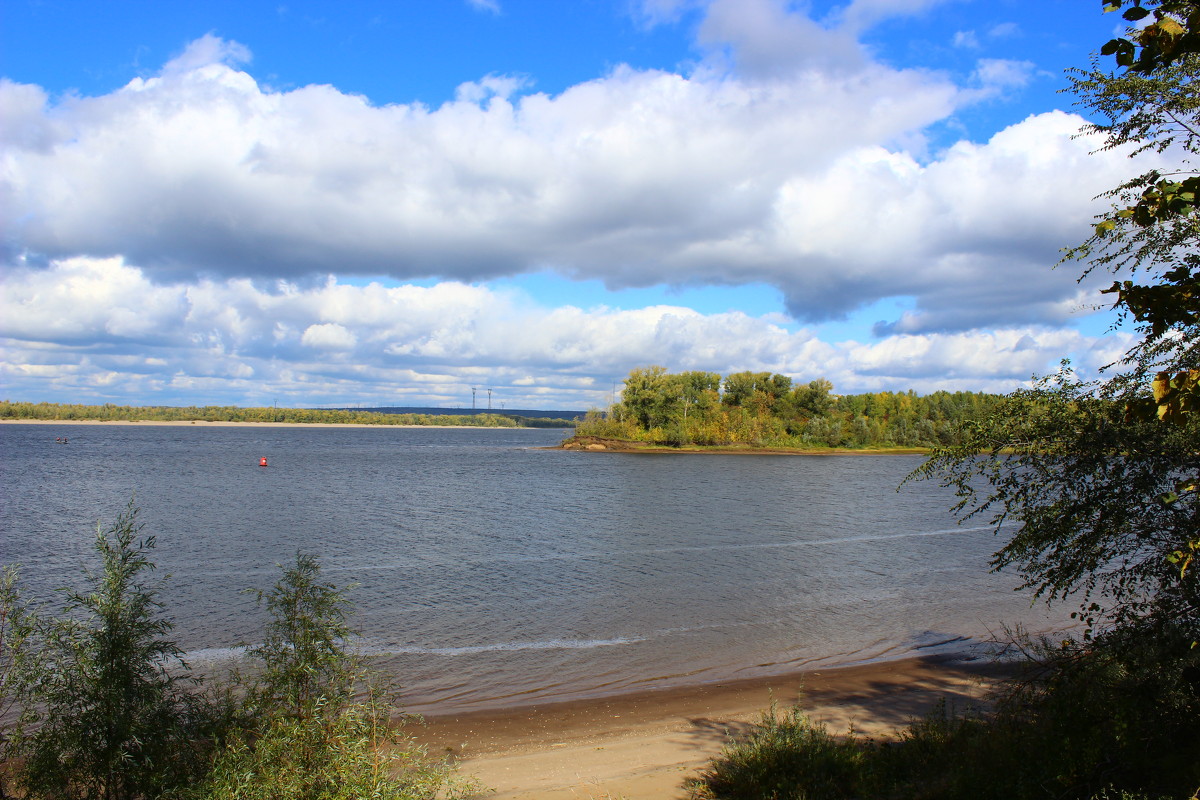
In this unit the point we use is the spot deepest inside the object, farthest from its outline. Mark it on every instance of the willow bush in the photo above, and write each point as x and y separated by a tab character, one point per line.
310	737
108	709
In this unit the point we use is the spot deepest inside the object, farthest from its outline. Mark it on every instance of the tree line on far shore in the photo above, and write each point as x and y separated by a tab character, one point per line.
109	412
770	410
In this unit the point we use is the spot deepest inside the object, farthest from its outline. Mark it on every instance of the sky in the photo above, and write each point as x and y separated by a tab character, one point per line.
388	203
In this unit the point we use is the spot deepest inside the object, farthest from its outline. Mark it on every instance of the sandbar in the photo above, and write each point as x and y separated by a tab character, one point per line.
650	744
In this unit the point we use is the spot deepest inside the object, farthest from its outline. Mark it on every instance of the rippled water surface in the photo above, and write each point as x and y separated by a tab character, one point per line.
491	572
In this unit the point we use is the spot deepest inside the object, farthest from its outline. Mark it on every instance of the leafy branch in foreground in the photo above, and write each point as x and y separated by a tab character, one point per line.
1153	228
1168	30
1084	486
304	659
1100	479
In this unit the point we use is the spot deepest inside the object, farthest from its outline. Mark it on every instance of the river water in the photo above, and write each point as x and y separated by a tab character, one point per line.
489	572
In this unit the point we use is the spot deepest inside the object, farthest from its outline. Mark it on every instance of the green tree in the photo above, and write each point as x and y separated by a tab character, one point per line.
303	654
699	389
1082	484
740	387
812	399
106	712
654	398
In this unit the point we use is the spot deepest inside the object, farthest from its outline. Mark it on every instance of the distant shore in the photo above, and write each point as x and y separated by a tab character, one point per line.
223	424
646	745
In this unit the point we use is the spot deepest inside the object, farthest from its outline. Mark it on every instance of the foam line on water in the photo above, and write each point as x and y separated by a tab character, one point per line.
817	542
210	654
207	654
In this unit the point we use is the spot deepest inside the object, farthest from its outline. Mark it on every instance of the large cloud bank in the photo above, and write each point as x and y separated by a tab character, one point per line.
192	220
228	341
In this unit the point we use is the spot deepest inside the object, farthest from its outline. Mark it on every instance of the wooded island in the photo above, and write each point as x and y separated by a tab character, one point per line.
765	410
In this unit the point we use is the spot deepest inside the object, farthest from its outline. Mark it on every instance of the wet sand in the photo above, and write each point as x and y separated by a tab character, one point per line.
649	745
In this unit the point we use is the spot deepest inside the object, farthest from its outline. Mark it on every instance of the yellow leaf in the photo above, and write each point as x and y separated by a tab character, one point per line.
1161	385
1169	26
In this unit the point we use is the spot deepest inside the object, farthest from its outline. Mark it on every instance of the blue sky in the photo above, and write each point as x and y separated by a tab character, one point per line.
388	203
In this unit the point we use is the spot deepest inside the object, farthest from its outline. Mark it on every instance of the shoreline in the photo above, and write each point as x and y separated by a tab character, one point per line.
232	424
654	450
648	744
596	444
612	445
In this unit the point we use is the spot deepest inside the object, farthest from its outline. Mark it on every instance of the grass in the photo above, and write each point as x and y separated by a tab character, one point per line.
785	751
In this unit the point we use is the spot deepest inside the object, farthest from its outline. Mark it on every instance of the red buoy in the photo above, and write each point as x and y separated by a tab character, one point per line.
262	462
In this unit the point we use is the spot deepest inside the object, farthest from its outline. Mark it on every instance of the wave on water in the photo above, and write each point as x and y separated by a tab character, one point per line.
838	540
548	644
750	546
409	562
211	654
217	654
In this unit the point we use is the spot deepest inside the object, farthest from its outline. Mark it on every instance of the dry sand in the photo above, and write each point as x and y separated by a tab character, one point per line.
648	745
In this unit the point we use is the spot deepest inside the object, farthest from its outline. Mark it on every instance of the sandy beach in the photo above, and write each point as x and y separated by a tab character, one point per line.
648	745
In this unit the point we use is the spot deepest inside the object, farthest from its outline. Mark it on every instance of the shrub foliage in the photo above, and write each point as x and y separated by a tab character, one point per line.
107	713
107	708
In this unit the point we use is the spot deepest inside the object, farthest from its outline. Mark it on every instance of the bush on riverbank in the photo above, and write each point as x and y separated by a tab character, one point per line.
1119	718
307	734
109	709
104	710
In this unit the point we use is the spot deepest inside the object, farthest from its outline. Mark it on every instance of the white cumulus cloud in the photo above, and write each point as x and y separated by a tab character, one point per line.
195	231
636	178
328	336
236	341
